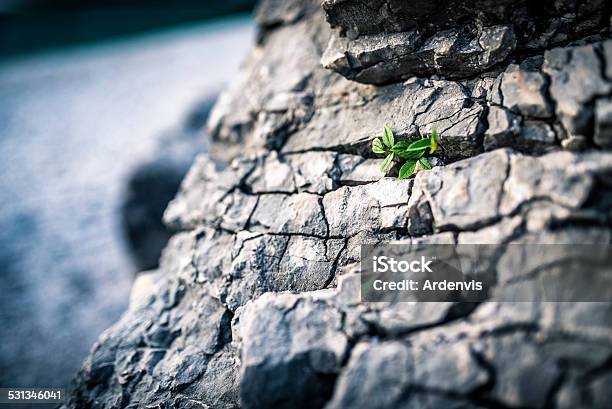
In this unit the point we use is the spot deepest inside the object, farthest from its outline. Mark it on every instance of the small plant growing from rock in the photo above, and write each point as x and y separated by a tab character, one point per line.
412	151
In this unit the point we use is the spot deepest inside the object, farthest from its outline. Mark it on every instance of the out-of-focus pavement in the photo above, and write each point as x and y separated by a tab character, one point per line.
73	126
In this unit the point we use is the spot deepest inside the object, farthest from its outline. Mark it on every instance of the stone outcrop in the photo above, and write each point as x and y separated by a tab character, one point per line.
385	41
256	302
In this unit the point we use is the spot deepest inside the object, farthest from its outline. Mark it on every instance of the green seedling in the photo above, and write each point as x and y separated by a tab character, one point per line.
411	152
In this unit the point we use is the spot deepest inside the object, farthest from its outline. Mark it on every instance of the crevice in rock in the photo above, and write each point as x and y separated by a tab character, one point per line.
334	267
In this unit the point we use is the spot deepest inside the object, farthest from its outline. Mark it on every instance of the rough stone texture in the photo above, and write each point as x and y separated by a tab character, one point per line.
576	80
603	123
389	40
269	252
383	58
524	91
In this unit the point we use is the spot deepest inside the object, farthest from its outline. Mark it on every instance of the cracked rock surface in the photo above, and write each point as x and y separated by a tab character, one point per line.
385	41
256	303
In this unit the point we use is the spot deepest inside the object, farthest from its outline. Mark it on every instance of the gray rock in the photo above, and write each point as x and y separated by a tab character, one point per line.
351	128
383	58
527	382
270	14
401	369
524	92
274	176
271	73
603	123
274	238
504	127
377	206
301	213
357	170
315	172
292	347
282	114
457	118
505	131
308	263
607	53
575	80
238	210
459	199
355	18
469	200
392	365
536	137
396	319
389	41
201	199
254	262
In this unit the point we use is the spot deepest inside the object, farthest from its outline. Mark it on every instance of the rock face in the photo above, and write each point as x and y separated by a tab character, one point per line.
385	41
256	303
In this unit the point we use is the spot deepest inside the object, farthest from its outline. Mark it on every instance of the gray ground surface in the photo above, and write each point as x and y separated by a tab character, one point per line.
73	126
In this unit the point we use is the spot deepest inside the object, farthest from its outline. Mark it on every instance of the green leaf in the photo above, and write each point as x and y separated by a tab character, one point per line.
387	137
399	145
434	141
386	163
425	162
419	145
407	169
410	154
377	146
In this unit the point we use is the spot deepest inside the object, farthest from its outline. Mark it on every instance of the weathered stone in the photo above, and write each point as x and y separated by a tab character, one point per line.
575	80
314	171
458	200
603	123
401	318
389	41
575	142
401	369
384	58
267	239
254	263
308	263
350	124
301	213
532	136
357	170
607	53
377	206
274	176
528	381
524	91
504	127
201	197
556	179
468	200
537	136
238	209
354	243
457	118
282	114
271	74
355	17
270	14
373	59
292	348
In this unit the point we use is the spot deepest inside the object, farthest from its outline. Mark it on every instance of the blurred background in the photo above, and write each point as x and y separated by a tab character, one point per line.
102	109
